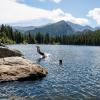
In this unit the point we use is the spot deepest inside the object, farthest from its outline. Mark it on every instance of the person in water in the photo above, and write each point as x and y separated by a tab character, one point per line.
41	53
60	62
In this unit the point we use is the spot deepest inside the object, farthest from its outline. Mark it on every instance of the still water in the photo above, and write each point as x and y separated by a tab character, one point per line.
78	78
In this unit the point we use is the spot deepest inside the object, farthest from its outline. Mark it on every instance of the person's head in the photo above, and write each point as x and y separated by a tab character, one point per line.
60	62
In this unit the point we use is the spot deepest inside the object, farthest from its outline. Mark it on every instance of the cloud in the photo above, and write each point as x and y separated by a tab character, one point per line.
18	0
60	15
56	1
95	14
13	12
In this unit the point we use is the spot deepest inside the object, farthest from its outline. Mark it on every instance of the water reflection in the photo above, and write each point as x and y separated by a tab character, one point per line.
40	59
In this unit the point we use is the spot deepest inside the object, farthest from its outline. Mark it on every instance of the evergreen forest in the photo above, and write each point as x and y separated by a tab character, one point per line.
10	36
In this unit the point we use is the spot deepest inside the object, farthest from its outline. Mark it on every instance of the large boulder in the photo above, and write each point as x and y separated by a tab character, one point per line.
20	69
5	52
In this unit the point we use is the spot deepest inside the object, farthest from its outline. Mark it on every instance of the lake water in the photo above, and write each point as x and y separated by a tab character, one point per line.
78	78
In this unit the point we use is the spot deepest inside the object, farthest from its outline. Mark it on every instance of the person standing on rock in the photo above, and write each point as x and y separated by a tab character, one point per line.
3	45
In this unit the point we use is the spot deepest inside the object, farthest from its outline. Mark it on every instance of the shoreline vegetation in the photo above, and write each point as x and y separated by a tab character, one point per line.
10	36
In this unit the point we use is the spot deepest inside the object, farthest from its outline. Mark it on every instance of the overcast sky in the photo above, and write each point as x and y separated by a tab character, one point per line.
40	12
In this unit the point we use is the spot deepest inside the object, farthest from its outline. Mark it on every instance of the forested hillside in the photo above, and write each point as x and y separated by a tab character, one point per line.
8	36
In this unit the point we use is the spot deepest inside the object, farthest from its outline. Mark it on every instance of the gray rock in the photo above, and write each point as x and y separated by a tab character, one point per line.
20	69
5	52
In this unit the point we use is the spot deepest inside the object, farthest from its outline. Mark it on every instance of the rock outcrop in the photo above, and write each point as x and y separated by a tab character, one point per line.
13	67
5	52
20	69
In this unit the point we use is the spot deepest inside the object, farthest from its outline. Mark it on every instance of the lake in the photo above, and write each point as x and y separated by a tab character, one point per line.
78	78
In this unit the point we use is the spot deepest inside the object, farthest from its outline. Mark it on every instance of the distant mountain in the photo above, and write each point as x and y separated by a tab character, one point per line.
23	29
97	28
58	28
78	27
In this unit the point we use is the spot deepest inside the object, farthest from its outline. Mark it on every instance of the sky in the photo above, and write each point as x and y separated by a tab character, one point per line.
41	12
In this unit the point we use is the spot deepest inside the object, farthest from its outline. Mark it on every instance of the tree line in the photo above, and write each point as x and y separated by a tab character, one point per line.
10	36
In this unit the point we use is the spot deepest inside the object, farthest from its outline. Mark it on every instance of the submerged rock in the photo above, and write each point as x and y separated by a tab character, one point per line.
5	52
20	69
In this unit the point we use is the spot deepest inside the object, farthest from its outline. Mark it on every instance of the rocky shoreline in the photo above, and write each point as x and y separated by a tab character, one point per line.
14	67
